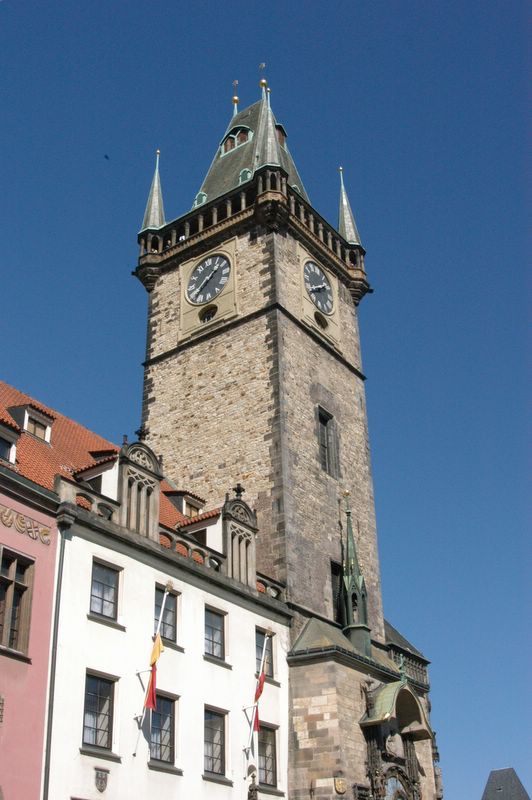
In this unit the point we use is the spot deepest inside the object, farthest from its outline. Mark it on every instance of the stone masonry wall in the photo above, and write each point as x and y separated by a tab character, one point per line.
241	404
326	740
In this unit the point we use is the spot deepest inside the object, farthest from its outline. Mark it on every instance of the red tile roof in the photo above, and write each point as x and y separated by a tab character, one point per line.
215	512
73	449
69	449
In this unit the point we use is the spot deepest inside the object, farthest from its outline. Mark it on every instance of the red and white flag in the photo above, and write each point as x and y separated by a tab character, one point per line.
258	692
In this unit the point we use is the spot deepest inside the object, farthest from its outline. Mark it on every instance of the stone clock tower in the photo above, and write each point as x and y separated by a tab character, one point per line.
253	374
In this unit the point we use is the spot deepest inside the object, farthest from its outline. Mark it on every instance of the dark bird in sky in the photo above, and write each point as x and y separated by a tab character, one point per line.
106	156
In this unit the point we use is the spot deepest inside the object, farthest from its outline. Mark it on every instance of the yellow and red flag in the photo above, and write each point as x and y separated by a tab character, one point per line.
151	698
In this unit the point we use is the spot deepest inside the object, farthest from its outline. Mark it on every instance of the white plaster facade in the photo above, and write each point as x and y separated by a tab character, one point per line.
122	650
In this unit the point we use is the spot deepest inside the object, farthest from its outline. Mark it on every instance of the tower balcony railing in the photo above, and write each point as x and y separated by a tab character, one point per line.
268	184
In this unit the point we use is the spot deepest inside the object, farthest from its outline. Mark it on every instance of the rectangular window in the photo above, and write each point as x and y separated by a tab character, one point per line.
260	636
327	442
104	590
214	742
169	619
16	580
162	730
267	756
98	712
5	449
214	634
37	428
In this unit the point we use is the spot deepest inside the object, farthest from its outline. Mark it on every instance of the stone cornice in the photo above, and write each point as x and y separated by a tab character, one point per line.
234	323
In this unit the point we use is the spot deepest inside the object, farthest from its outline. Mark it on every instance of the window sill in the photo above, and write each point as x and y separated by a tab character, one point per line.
111	623
263	789
162	766
98	752
269	680
219	661
16	654
210	776
170	645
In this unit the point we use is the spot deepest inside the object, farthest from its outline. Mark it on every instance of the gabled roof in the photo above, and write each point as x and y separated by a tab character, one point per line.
320	635
503	784
261	149
393	637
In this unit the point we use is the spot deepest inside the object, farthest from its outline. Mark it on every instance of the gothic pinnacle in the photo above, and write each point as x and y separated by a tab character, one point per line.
154	214
346	221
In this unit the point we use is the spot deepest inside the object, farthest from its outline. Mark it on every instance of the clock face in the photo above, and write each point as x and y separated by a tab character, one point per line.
208	279
318	287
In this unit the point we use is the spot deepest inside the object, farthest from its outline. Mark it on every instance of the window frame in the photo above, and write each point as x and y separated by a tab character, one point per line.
221	615
327	442
263	771
12	584
97	562
269	669
111	682
175	597
172	700
222	716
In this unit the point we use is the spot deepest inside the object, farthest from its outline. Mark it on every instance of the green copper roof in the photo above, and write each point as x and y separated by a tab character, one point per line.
346	221
411	716
261	149
318	634
154	214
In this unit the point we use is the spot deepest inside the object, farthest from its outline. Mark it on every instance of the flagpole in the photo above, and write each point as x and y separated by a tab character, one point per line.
254	709
157	631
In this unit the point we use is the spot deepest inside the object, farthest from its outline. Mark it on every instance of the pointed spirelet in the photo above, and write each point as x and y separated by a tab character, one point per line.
267	151
346	221
154	214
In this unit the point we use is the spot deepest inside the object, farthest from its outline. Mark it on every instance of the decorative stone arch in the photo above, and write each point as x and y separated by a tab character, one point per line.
394	721
139	488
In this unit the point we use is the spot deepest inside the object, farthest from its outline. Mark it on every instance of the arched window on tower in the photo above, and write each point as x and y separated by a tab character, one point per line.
236	138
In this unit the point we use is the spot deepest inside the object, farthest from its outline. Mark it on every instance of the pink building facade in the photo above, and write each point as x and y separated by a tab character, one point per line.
28	544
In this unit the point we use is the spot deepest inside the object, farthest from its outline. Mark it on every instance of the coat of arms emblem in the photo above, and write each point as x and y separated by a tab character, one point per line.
100	779
340	785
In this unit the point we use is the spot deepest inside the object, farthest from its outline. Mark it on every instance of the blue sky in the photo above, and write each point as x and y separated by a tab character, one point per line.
423	104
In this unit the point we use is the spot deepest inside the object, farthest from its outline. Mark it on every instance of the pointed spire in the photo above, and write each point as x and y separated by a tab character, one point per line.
236	161
346	221
266	141
154	214
353	582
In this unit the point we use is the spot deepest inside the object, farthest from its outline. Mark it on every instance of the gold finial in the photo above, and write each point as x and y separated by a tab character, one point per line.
263	82
235	98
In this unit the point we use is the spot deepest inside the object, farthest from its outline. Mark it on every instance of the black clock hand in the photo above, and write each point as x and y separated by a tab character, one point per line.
205	281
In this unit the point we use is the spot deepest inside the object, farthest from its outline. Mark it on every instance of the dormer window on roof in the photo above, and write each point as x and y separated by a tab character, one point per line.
235	138
281	135
201	198
245	175
39	425
8	443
